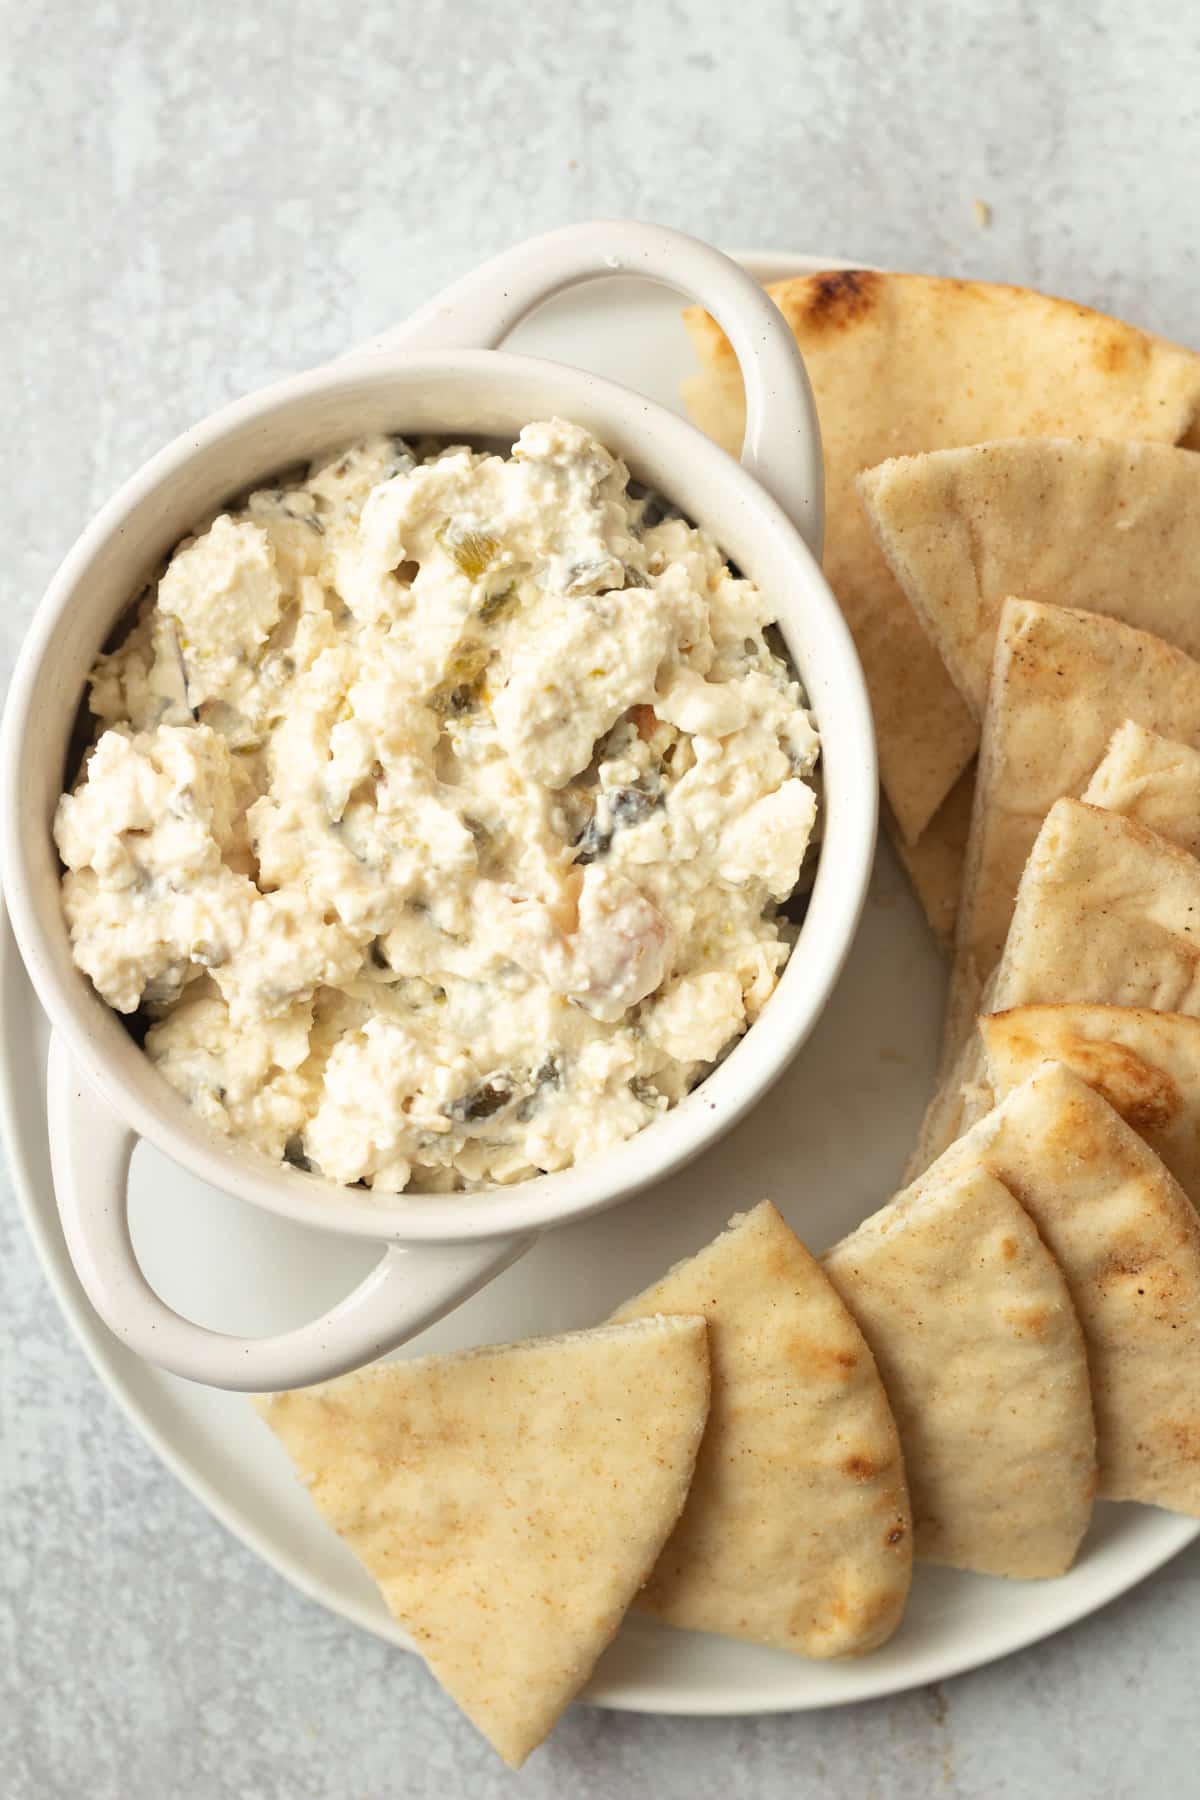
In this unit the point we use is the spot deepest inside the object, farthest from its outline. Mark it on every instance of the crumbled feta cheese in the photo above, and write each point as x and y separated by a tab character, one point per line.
223	593
766	842
571	684
698	1015
437	812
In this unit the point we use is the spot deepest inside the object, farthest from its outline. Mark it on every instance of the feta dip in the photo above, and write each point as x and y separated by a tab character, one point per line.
439	813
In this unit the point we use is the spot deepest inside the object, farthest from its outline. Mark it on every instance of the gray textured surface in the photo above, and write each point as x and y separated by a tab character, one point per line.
199	196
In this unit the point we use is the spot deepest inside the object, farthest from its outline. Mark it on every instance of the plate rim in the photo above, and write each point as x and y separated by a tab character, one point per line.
702	1701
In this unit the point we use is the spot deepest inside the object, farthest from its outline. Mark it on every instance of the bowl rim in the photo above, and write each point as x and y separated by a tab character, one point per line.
667	1143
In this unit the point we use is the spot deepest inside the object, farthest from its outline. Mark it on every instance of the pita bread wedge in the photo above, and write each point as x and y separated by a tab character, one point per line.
1062	682
797	1531
935	862
1127	1240
1153	780
1146	1065
1108	527
531	1486
904	363
983	1360
1106	912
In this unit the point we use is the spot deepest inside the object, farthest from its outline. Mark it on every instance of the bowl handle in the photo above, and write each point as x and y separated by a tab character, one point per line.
407	1290
782	443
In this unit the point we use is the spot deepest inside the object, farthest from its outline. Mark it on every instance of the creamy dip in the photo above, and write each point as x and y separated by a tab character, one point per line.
439	813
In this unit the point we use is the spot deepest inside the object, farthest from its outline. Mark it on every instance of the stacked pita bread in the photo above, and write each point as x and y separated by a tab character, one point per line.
1105	527
1060	903
903	365
1062	681
1144	1058
1033	1298
736	1450
1058	581
1044	746
797	1531
759	1443
1127	1240
1096	528
1107	912
976	1338
511	1503
990	1384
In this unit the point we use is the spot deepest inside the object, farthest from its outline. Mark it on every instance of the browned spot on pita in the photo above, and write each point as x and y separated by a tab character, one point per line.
863	1468
1143	1062
775	1262
1112	352
822	1360
838	1612
840	298
1185	1434
871	1614
1145	1097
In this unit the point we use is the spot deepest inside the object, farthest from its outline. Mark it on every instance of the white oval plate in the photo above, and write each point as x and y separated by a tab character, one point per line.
827	1146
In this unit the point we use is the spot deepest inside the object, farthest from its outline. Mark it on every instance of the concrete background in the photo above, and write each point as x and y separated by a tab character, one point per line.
198	197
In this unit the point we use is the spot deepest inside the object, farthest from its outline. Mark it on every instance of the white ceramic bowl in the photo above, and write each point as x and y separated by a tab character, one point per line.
437	374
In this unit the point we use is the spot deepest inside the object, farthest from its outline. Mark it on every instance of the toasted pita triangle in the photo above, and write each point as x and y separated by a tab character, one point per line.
1128	1242
903	363
509	1502
1106	912
1106	527
981	1353
1062	682
1146	1065
1151	779
797	1531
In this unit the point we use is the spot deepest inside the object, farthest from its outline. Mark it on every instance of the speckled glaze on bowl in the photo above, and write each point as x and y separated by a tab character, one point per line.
437	374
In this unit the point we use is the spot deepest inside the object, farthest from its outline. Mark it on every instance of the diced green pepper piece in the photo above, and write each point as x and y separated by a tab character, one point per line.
496	605
471	550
